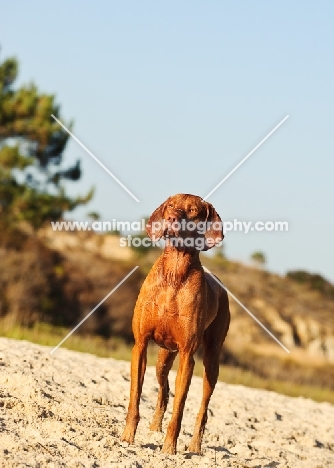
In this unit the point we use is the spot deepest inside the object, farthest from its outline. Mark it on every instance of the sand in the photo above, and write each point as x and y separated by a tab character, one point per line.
68	410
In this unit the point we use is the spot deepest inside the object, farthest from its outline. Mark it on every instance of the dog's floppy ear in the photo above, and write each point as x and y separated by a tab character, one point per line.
214	233
155	225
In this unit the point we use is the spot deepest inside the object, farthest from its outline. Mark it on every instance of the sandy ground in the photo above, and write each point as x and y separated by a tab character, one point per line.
68	409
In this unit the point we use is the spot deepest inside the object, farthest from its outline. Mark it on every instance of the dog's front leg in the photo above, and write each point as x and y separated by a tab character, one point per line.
182	384
138	367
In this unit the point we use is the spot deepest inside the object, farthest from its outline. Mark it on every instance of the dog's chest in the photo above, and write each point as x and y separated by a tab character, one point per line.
171	302
166	303
174	317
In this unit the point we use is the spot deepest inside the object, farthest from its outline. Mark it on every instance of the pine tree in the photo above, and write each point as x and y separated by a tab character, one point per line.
31	152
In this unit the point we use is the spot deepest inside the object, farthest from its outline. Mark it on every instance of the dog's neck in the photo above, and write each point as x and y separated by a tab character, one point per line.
176	263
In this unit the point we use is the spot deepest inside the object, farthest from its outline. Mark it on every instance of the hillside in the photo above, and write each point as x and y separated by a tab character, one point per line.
58	278
68	410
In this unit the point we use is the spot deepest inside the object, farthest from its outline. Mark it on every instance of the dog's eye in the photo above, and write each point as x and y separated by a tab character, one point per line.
170	205
192	210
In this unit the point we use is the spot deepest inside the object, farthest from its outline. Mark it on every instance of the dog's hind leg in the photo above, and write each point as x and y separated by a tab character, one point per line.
164	364
182	382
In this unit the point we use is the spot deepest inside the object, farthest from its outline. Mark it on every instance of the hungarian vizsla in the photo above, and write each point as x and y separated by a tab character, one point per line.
180	307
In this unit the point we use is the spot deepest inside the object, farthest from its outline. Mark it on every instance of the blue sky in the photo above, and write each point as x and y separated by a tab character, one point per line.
170	96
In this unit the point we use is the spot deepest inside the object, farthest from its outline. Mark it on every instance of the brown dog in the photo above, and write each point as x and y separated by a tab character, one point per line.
180	307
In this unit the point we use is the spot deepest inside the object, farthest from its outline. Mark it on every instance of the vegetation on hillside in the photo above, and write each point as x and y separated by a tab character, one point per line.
313	281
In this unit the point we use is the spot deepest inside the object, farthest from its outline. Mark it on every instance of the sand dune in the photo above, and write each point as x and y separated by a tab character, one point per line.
68	409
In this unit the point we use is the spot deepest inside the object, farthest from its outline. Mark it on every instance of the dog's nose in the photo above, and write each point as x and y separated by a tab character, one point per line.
172	218
174	215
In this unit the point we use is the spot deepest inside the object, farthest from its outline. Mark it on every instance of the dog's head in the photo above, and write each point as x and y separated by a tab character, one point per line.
186	221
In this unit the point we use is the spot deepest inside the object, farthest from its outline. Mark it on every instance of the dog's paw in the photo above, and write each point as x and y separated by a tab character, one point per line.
195	447
169	448
128	435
